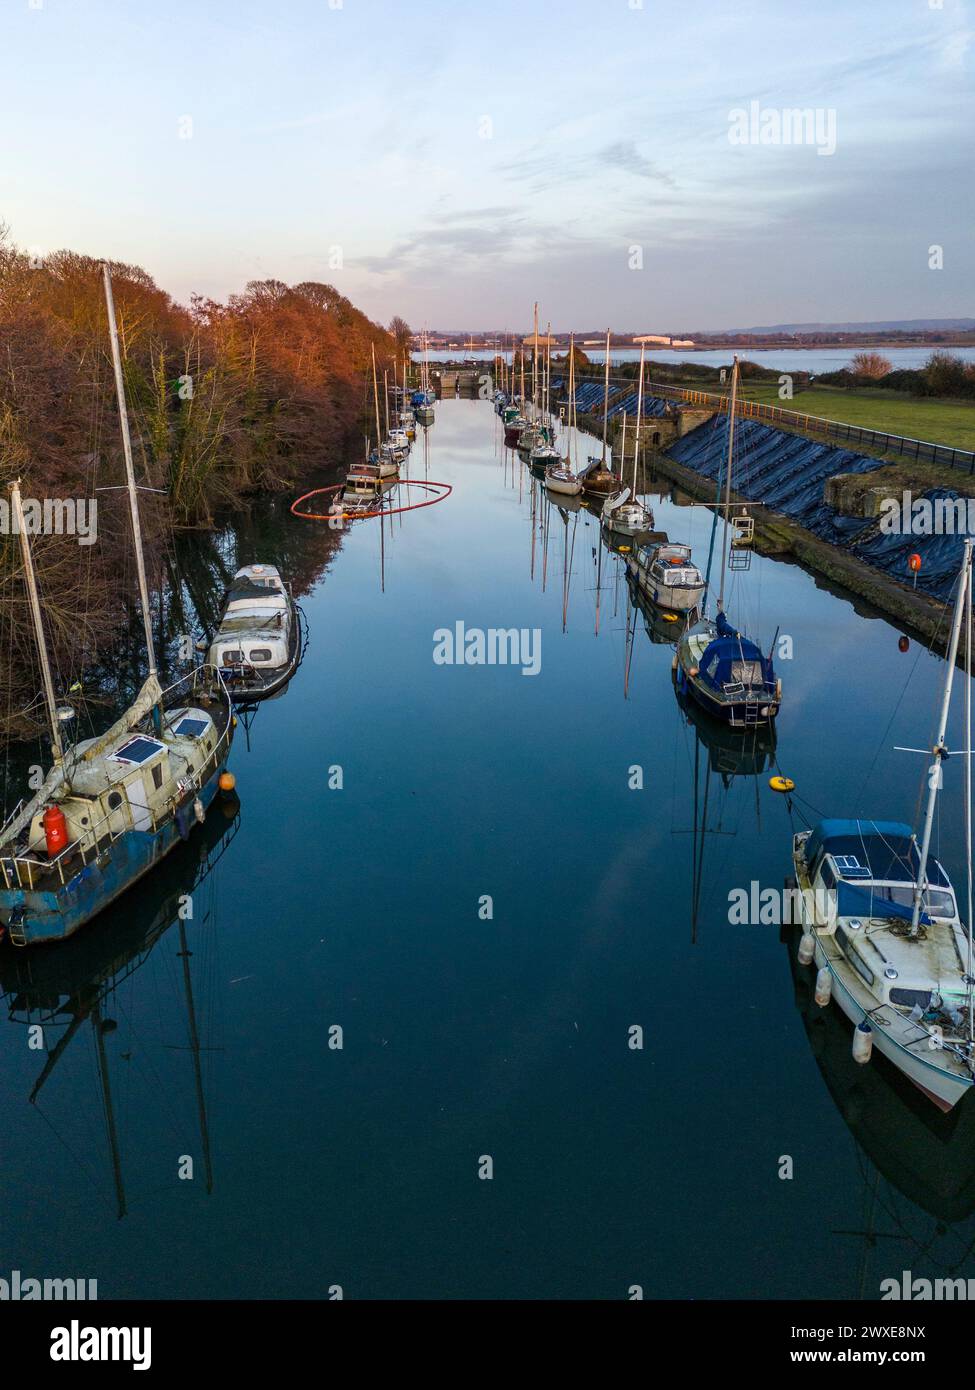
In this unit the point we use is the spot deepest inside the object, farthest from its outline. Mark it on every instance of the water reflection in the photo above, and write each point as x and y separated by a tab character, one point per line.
57	992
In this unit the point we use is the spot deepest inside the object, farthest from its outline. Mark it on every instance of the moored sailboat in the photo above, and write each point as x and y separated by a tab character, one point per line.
725	671
880	915
111	806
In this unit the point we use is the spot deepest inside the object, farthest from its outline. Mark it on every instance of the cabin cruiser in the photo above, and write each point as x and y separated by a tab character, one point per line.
257	644
667	576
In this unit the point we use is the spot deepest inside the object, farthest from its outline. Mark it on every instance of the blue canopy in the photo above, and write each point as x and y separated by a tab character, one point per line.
877	849
855	901
725	650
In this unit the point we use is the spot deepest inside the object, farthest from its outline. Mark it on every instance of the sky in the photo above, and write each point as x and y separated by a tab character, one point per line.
453	163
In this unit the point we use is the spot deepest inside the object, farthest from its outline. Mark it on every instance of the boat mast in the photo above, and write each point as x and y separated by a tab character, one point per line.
727	481
35	608
606	401
968	803
572	397
375	393
123	416
639	417
940	752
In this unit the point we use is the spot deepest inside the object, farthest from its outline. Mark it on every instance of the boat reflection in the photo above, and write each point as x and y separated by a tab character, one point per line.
926	1154
58	990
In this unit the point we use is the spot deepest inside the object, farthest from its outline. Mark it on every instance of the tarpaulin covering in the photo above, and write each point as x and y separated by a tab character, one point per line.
788	472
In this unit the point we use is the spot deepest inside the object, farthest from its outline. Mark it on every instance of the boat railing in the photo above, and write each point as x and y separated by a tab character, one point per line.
25	870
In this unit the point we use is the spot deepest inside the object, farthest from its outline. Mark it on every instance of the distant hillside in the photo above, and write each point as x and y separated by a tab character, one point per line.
884	326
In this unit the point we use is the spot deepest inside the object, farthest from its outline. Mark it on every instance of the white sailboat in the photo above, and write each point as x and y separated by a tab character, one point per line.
881	918
624	513
560	476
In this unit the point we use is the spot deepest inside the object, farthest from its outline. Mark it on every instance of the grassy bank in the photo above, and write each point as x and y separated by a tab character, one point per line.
938	421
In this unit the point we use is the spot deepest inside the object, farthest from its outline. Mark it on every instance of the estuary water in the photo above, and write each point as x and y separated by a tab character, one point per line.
831	359
392	1046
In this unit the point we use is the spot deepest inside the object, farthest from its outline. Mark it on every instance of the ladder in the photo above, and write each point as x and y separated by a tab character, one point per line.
15	927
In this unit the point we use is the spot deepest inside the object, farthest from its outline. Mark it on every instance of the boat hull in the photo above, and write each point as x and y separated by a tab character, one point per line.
740	714
247	690
51	916
672	598
943	1088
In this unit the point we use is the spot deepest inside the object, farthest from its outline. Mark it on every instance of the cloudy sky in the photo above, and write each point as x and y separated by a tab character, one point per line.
454	162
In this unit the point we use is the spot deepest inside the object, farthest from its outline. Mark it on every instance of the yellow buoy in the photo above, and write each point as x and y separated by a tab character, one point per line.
624	550
227	781
781	784
669	617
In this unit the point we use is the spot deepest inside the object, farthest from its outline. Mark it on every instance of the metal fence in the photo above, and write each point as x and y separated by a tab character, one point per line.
877	440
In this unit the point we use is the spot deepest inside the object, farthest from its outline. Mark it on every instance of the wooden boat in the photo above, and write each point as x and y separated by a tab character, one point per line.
597	478
111	806
257	646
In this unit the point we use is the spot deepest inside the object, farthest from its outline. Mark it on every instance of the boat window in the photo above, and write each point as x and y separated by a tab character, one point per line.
191	728
114	800
911	997
854	957
157	774
138	750
937	902
260	653
826	875
234	658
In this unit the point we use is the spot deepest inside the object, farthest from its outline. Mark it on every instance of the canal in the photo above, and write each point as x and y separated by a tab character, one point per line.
451	1004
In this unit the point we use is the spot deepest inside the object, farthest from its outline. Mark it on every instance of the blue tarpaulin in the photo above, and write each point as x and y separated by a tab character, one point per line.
788	472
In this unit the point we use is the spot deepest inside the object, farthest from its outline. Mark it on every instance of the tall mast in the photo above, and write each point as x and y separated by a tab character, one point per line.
123	416
639	417
968	803
606	399
572	395
727	481
375	392
35	608
940	752
386	397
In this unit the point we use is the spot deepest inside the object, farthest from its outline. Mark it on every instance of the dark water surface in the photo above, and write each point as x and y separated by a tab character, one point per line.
464	1037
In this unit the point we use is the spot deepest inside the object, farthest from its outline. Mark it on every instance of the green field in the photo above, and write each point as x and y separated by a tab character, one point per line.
940	422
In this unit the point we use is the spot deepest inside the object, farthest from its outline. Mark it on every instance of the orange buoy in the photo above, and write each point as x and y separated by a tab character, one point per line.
55	830
227	782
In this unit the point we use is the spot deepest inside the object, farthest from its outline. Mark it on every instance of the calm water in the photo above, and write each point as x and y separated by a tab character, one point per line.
464	1037
795	359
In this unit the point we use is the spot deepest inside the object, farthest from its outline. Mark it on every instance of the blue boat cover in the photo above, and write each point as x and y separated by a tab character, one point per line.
885	850
727	648
854	901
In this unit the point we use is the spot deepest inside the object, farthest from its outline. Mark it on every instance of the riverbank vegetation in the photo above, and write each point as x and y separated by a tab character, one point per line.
226	401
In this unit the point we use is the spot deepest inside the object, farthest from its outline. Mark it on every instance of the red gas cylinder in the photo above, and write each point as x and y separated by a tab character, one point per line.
55	830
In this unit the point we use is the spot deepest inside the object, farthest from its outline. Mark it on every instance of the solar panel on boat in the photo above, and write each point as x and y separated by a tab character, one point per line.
137	750
190	728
